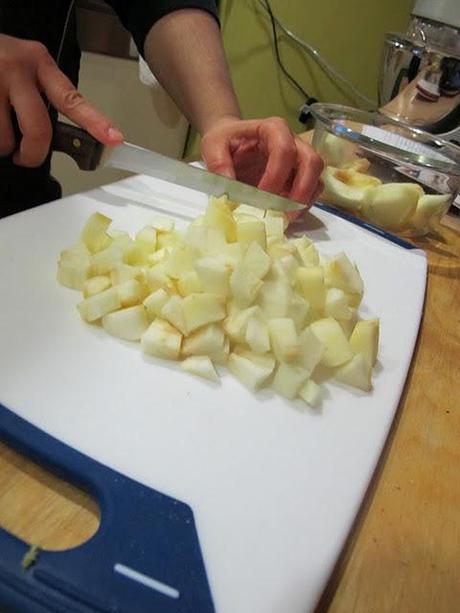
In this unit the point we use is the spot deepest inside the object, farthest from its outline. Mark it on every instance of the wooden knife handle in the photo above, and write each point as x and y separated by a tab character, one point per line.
76	142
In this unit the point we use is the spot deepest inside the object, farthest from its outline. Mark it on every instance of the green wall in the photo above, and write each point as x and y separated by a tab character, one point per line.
348	33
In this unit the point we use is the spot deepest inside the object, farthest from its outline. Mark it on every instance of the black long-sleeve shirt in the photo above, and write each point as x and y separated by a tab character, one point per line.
45	21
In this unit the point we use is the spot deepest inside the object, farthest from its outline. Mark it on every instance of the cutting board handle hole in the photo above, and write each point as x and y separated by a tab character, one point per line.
41	509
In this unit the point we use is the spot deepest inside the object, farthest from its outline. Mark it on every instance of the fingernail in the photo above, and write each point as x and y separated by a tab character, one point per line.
115	134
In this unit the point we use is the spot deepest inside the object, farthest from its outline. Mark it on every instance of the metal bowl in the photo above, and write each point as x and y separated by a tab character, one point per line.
399	178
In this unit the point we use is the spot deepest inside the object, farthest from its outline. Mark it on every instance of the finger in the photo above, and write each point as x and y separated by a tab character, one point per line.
279	145
7	140
34	123
216	153
65	98
309	170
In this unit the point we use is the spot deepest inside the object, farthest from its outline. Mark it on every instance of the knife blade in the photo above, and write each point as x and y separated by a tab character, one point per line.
90	154
139	160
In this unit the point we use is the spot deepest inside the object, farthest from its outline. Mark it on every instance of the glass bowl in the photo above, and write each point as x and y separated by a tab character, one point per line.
398	178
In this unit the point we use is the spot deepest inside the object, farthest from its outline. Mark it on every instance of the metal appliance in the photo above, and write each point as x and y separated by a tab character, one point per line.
420	71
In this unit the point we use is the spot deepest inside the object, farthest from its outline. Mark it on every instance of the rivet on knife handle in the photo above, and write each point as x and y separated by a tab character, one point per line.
76	142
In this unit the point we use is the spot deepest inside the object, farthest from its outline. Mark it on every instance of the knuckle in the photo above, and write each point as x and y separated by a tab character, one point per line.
38	50
71	98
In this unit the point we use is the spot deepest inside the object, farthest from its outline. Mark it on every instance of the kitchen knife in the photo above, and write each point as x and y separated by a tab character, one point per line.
90	154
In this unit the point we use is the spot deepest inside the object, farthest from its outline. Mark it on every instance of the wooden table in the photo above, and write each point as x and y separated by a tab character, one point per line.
404	552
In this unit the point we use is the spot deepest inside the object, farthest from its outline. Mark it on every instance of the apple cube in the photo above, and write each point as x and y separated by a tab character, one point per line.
310	284
208	340
307	251
180	261
168	240
95	307
341	273
162	340
284	339
248	231
73	273
336	304
155	302
249	211
236	323
131	292
162	224
274	227
250	369
256	260
219	215
95	285
189	283
173	312
157	278
274	298
365	339
202	309
201	366
105	260
214	275
128	324
94	233
357	373
311	350
157	256
337	348
125	272
289	379
257	335
310	393
298	311
147	238
244	285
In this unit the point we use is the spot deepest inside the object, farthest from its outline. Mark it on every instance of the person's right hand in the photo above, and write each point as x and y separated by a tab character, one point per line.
27	71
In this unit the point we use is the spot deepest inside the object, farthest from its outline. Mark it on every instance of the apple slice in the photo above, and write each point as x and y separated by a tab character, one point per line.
202	367
162	340
391	205
219	215
430	208
337	348
128	324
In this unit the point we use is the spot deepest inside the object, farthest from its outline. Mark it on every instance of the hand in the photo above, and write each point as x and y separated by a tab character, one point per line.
26	72
265	153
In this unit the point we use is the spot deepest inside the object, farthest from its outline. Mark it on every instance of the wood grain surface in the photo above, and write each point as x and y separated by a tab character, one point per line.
403	554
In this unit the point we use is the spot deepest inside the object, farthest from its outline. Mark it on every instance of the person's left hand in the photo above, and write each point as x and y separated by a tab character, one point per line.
265	153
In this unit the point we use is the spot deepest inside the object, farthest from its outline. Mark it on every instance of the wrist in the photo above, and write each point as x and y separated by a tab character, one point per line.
212	122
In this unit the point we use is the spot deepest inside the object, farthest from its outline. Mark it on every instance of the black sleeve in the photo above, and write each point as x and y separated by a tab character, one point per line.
138	16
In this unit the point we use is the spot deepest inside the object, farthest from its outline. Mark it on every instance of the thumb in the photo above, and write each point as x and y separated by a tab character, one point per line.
217	156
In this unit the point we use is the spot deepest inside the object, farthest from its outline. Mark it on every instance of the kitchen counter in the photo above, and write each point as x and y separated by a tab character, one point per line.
404	551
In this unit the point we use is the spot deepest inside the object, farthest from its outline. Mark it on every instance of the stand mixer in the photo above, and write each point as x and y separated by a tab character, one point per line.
420	72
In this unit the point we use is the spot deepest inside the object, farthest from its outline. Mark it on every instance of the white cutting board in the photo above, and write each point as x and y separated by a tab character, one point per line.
273	485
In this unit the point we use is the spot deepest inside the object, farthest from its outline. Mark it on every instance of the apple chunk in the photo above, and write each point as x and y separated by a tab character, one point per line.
162	340
201	366
284	339
337	348
202	309
365	339
357	373
254	372
95	307
288	380
128	324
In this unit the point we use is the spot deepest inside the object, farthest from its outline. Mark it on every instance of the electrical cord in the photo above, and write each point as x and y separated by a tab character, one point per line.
314	53
287	74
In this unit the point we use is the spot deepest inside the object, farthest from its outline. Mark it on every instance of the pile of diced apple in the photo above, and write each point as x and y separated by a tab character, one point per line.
393	206
230	291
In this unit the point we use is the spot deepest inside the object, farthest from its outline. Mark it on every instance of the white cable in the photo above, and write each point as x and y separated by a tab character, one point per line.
314	53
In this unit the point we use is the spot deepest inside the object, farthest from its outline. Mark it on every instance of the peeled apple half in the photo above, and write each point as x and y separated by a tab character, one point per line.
231	290
345	195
